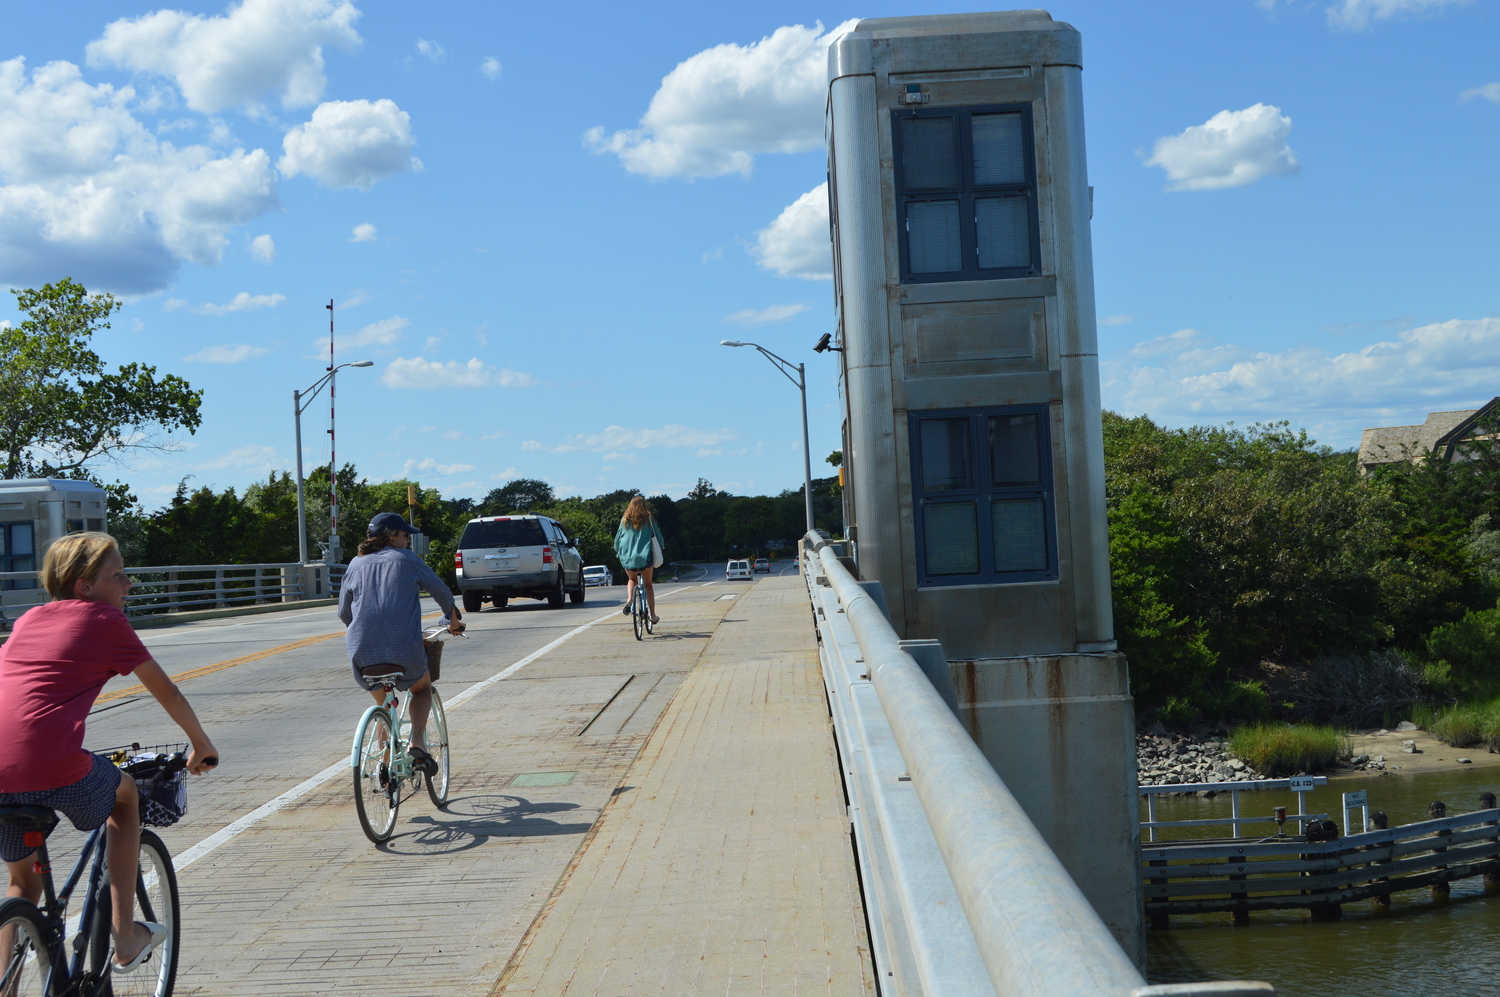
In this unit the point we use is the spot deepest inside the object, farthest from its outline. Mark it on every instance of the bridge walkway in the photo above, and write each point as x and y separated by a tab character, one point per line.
660	817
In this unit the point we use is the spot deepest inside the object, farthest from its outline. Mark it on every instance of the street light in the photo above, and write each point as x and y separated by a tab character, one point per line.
298	407
786	367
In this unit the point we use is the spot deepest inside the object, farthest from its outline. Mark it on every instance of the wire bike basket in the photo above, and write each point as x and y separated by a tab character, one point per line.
159	771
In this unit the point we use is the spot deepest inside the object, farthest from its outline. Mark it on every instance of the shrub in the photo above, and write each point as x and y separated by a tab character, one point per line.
1280	750
1470	647
1359	690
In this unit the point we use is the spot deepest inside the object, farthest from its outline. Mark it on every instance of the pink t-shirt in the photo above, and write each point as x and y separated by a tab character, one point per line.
51	670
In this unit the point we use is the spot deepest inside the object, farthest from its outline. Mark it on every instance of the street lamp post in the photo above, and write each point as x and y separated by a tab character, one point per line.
786	367
299	405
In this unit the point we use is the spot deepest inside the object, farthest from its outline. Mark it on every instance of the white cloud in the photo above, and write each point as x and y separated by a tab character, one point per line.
1117	320
381	333
717	253
796	244
431	466
1185	377
255	459
506	475
720	108
263	249
763	316
173	304
431	50
419	373
355	299
235	59
619	438
363	232
227	354
1230	149
351	143
89	191
491	67
1489	91
242	302
1360	15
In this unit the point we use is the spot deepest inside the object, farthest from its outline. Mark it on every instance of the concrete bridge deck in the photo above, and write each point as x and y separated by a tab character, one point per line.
661	817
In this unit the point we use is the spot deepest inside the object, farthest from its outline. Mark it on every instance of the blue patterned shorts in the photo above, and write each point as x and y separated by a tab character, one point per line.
87	803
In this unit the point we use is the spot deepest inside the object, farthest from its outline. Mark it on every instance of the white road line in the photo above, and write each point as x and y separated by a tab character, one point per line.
260	813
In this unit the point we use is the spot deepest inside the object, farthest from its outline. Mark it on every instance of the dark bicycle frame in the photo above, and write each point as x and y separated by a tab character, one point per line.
54	912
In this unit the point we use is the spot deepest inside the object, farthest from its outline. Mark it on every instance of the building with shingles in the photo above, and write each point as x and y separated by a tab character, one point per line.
1443	432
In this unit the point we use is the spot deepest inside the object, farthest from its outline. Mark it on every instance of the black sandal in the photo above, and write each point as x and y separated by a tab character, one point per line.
422	761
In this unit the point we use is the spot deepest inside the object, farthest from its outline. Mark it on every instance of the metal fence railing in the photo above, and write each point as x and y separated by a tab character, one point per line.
962	893
179	588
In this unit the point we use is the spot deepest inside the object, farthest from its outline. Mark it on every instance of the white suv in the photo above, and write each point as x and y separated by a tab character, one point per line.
503	556
737	569
598	574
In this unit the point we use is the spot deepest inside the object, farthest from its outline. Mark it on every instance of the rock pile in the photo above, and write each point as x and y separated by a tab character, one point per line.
1164	759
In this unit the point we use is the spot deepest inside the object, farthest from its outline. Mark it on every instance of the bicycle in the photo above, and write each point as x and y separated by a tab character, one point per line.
35	938
381	760
640	613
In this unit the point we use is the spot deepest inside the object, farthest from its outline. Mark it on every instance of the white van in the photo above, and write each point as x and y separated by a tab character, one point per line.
738	569
598	574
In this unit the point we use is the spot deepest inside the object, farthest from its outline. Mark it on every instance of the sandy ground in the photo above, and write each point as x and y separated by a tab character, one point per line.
1432	754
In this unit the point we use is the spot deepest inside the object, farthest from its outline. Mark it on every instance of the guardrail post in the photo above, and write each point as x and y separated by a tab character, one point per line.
173	598
289	584
1378	822
219	599
1491	879
1437	810
929	656
259	591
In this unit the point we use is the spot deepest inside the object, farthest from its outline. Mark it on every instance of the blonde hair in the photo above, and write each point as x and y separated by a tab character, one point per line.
636	513
75	557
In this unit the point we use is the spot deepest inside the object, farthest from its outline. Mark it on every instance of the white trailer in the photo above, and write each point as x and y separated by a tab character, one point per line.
33	513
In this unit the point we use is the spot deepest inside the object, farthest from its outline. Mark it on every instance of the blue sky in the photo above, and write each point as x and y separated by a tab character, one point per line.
539	222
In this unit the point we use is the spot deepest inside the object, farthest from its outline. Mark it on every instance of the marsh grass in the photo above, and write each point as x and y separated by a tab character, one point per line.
1464	725
1281	750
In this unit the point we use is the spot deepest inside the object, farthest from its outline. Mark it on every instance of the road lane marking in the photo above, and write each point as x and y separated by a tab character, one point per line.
260	813
192	673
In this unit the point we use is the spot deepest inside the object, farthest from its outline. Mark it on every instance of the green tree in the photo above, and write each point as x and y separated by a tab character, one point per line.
60	409
520	495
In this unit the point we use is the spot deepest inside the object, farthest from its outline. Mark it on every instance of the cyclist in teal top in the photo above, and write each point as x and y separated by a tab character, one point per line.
633	548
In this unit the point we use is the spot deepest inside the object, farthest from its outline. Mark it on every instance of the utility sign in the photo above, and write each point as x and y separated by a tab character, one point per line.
1302	783
1360	798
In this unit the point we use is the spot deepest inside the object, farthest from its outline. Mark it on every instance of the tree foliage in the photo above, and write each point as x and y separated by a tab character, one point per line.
61	410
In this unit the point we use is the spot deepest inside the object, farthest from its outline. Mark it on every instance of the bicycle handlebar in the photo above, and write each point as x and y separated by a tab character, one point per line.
175	762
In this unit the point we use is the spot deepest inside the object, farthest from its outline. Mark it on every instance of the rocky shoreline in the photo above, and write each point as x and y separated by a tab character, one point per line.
1167	759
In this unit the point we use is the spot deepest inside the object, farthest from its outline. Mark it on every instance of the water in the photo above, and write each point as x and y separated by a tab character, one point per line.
1450	949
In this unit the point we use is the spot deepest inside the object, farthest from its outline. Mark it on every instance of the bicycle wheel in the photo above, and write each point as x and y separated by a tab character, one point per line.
23	942
437	746
646	614
636	619
377	793
155	900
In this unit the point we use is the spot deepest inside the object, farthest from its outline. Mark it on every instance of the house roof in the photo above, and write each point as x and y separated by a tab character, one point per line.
1390	444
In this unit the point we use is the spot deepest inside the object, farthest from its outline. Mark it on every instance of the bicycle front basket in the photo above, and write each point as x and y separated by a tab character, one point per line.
434	649
163	794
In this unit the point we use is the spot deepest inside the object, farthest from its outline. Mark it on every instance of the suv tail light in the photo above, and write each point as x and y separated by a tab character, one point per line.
458	560
546	555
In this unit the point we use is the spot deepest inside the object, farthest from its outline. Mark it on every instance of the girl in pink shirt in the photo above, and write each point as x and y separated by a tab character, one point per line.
51	670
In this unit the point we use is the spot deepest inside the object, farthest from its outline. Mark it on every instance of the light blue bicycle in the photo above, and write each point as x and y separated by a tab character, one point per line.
381	761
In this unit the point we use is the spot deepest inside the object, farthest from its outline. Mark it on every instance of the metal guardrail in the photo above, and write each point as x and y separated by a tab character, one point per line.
178	587
1300	785
962	893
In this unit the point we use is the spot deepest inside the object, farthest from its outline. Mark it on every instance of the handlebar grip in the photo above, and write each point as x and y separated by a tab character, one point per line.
211	760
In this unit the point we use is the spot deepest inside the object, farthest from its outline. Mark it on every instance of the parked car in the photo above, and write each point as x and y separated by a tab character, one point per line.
736	569
598	574
500	557
761	564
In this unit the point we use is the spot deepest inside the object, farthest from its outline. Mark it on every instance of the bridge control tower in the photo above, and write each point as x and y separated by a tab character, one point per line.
963	275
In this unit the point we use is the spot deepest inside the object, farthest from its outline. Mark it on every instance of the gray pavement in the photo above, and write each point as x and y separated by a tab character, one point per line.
282	893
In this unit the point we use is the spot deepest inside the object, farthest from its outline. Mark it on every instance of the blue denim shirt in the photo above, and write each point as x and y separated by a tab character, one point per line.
379	604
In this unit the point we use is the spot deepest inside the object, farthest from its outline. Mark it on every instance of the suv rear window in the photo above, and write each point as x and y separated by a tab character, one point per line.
506	533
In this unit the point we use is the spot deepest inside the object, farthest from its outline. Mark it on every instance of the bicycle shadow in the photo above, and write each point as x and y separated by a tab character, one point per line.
679	635
470	821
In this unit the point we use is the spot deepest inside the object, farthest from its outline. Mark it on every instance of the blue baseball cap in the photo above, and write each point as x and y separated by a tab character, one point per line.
390	521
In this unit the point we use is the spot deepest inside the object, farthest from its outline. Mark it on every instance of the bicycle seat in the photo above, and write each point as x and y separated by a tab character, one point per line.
382	671
28	818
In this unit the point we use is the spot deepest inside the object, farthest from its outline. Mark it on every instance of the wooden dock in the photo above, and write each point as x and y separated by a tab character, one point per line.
1241	875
